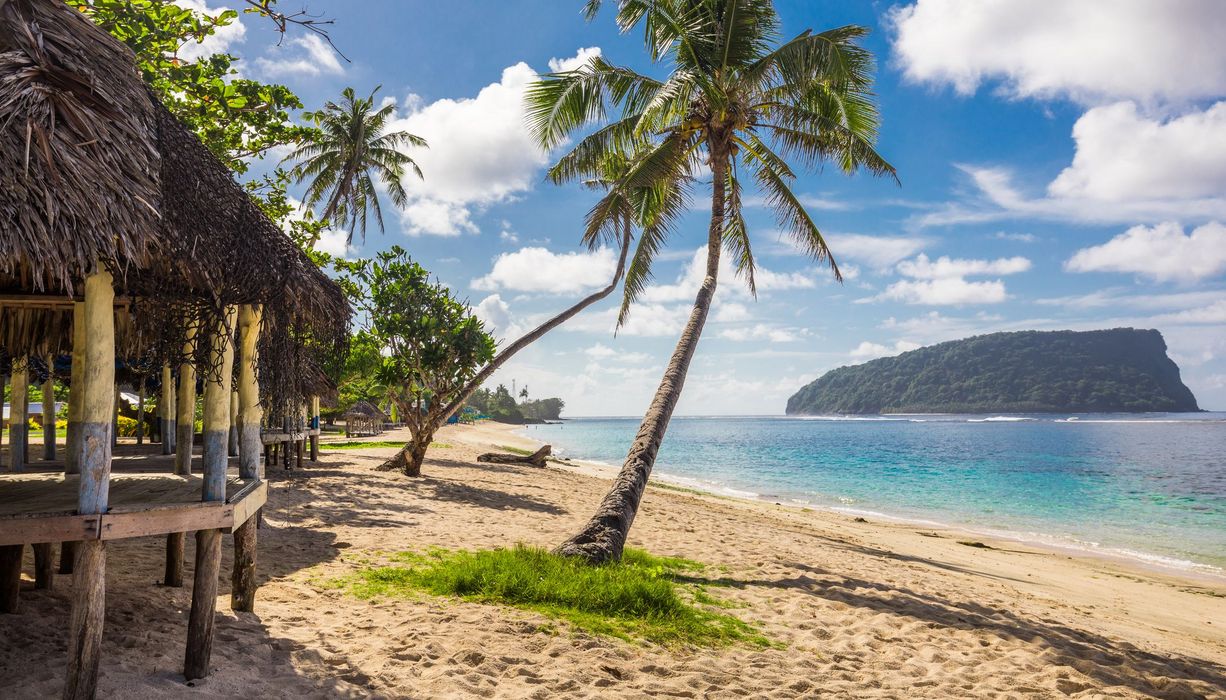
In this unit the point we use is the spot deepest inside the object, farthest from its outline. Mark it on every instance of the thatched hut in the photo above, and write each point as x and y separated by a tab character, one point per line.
122	239
364	419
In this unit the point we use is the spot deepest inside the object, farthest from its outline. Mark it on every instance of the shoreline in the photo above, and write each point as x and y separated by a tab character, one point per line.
1142	562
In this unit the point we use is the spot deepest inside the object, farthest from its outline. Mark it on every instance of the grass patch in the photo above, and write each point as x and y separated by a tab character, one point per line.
640	598
359	444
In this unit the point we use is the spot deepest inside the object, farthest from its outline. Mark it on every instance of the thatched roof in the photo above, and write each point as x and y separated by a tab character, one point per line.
365	409
94	170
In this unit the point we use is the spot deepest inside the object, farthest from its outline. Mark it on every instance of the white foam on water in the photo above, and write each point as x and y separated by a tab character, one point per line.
999	419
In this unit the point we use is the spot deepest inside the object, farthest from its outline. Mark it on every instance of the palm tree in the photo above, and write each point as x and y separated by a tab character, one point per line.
611	222
351	153
736	100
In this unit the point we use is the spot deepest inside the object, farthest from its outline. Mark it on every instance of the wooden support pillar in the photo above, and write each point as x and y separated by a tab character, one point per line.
115	418
19	414
76	394
10	577
49	410
68	556
250	415
173	575
242	578
166	407
44	566
208	542
140	412
314	425
185	405
89	576
232	442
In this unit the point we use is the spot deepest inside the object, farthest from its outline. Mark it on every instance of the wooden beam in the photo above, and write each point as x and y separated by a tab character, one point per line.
170	520
246	504
63	528
250	414
48	301
89	575
49	410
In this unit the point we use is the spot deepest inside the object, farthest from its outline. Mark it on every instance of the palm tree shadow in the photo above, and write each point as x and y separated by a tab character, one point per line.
1109	662
434	488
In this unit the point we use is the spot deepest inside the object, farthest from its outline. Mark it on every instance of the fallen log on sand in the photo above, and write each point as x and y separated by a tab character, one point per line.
536	459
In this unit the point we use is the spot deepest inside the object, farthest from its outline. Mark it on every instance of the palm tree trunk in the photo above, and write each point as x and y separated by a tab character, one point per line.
604	536
501	358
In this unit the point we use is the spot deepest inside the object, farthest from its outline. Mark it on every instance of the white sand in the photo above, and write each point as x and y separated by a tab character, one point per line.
864	609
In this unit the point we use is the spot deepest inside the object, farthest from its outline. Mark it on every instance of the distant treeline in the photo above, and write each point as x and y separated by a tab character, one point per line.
1119	370
501	406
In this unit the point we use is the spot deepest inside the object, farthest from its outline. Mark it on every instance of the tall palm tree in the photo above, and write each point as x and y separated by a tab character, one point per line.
351	153
736	100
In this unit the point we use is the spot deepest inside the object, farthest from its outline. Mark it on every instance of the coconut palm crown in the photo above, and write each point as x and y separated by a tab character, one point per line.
739	101
350	155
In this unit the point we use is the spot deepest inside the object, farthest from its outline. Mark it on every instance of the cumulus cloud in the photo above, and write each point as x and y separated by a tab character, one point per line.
944	267
1087	51
600	351
219	42
762	331
878	252
1162	252
866	350
481	152
306	56
495	314
731	313
685	288
334	243
1123	155
537	270
646	320
953	291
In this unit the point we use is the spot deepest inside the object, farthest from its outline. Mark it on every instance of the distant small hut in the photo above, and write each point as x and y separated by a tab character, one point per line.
125	243
364	419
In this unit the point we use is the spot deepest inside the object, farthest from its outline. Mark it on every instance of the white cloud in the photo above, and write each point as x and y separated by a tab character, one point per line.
495	313
951	291
762	331
866	350
878	252
220	41
333	242
508	236
481	152
600	351
561	65
541	271
731	313
690	279
1120	298
1088	51
1019	237
1162	252
306	56
1122	156
944	267
645	320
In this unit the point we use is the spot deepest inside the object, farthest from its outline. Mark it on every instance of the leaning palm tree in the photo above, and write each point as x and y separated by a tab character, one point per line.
351	153
611	222
736	100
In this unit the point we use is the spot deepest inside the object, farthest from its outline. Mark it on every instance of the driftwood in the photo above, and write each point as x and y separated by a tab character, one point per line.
536	459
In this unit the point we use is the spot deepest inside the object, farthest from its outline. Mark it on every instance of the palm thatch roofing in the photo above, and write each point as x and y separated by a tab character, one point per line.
365	409
94	171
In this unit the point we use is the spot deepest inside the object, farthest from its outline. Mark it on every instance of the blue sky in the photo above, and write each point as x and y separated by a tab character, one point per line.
1063	165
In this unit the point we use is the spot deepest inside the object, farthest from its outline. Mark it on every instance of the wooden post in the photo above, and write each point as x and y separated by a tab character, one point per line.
115	418
314	425
208	542
76	394
167	407
232	449
49	410
140	412
44	566
250	415
89	577
10	577
242	577
19	414
185	404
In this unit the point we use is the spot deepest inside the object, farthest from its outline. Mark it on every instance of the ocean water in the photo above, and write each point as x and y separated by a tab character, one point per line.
1148	486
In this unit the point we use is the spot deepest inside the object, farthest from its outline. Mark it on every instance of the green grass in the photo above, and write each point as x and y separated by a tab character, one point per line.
644	597
361	444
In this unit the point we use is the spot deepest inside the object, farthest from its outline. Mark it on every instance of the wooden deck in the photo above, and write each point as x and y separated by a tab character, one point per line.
41	507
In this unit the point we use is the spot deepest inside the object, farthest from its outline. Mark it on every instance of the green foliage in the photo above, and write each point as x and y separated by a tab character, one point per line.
1119	370
365	444
638	598
235	117
126	426
499	405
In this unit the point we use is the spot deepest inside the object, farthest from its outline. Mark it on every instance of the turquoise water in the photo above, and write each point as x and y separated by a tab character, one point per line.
1150	486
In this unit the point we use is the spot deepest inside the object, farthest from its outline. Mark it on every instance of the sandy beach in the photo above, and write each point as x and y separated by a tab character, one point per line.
858	608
